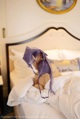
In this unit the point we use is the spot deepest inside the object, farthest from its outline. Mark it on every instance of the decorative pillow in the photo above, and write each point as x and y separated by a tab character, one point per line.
55	71
67	65
79	63
21	68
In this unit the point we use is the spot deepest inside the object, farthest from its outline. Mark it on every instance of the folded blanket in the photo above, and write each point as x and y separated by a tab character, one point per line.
25	91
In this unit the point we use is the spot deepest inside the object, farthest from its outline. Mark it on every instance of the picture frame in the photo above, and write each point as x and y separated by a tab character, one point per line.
57	6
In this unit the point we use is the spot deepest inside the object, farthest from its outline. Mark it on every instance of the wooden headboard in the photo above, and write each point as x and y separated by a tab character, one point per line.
50	38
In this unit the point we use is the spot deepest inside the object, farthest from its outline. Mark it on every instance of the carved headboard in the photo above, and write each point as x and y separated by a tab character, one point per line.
50	38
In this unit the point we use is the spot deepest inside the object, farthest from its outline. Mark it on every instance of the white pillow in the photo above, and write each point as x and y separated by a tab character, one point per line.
69	54
53	54
21	68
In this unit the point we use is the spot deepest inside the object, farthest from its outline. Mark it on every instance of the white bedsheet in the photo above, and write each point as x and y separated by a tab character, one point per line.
66	100
68	97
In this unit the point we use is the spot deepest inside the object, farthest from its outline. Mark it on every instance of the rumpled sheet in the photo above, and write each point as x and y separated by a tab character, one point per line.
66	100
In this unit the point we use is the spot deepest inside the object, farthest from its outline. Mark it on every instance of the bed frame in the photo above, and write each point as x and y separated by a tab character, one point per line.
46	40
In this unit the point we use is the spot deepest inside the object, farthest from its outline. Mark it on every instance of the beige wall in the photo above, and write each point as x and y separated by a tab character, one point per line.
2	16
24	16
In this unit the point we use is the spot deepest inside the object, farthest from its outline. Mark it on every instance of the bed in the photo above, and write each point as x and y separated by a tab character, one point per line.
60	45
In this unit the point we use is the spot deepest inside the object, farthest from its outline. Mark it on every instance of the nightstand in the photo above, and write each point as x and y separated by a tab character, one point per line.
1	96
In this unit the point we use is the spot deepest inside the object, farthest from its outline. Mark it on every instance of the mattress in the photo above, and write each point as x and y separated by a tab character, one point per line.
28	110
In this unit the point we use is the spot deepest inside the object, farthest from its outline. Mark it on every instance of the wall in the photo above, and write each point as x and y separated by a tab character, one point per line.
2	17
26	18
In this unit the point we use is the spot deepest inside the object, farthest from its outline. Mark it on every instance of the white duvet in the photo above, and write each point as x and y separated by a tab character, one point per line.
66	100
